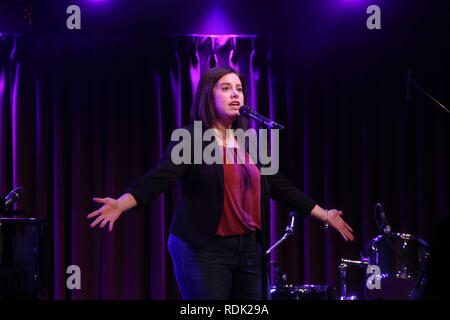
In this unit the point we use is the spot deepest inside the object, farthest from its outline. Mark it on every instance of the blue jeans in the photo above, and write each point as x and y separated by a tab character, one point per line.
227	268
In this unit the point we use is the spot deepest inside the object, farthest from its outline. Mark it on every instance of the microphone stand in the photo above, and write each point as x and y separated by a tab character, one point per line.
8	212
411	81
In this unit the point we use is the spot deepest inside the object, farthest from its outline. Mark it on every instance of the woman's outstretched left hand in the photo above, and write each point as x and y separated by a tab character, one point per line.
335	220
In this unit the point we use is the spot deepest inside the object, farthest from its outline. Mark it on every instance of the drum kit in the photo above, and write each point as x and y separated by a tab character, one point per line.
394	268
395	265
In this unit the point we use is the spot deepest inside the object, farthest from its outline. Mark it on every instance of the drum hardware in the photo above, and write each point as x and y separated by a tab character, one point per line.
401	260
283	291
280	276
385	229
304	292
343	266
289	231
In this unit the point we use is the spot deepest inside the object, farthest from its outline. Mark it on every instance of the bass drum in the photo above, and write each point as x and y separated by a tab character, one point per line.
304	292
22	258
402	260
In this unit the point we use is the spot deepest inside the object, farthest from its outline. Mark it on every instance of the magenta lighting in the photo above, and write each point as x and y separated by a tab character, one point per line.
2	82
356	2
222	37
215	20
98	1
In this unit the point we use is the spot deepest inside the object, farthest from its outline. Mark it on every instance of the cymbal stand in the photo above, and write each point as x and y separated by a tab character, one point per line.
288	232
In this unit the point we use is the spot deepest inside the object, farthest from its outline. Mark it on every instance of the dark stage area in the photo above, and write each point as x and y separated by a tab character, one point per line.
90	96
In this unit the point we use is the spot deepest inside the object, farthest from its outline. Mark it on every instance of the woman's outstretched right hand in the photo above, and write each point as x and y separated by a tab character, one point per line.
109	212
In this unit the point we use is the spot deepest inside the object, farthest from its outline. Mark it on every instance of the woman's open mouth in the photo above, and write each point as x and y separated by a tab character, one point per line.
235	105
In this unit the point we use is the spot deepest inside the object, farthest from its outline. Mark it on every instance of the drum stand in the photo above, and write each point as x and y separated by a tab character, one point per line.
343	270
289	231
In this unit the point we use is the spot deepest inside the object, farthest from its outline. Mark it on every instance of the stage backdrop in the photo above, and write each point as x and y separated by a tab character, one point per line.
84	116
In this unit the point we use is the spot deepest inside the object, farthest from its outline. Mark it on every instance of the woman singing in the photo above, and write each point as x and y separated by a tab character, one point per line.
221	224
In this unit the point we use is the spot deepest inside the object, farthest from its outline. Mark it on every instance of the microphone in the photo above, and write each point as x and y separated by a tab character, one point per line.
408	85
14	196
382	222
252	114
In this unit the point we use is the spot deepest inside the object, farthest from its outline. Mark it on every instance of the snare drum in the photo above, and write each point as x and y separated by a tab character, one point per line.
304	292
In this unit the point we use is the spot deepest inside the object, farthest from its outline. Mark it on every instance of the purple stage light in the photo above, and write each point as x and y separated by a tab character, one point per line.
98	2
354	2
2	83
223	37
216	18
215	21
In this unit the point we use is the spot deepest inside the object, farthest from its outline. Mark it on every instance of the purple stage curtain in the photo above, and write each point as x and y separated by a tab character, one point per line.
83	116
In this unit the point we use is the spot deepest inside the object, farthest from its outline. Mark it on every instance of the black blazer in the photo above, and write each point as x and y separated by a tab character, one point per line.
198	213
